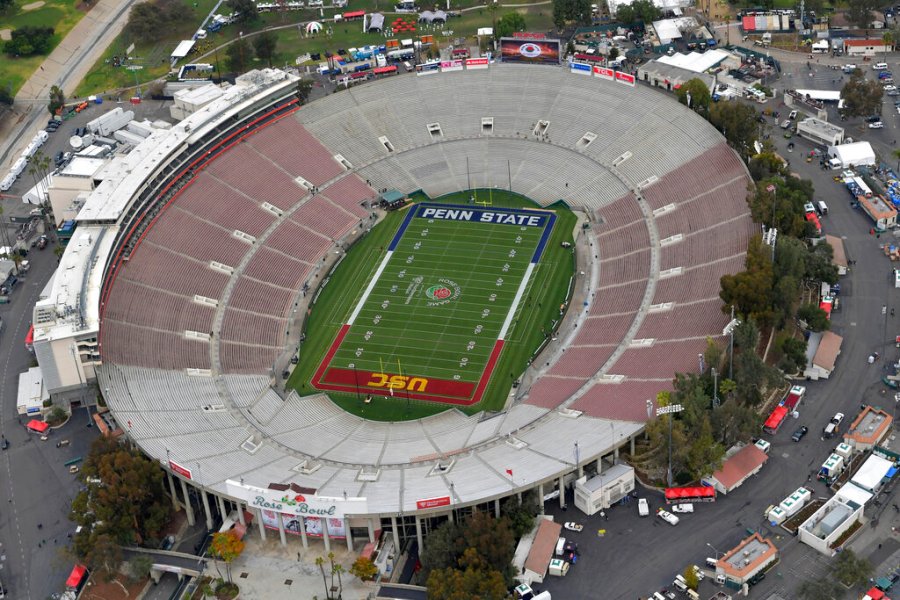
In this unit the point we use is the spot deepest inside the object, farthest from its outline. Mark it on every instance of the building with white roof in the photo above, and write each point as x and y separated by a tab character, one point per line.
700	62
823	529
660	4
871	474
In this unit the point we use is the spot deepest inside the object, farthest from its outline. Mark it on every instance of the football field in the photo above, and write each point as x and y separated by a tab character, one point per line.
431	320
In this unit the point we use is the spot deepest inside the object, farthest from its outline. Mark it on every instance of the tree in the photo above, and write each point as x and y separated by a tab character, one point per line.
578	11
226	546
852	570
766	165
245	10
491	538
690	577
793	354
238	56
104	557
57	99
887	38
472	580
559	13
521	516
639	10
6	96
5	4
738	123
148	21
749	290
304	88
816	319
860	13
695	94
28	40
509	24
862	97
265	44
127	506
320	562
139	567
364	568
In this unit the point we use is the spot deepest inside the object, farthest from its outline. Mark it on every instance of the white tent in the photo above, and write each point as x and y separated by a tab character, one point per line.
313	27
823	95
852	155
870	474
430	17
182	50
376	22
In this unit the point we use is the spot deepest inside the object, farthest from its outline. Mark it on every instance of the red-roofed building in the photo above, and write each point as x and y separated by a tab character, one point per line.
745	462
542	548
753	555
866	47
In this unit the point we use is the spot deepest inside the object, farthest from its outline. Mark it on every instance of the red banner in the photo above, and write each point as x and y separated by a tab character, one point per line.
604	73
526	35
476	63
433	502
183	471
625	78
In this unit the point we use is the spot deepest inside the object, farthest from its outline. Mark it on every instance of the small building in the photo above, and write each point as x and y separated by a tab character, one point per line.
820	132
871	475
671	77
743	464
853	495
868	429
190	100
753	555
823	529
822	350
866	47
31	394
541	553
852	155
882	214
604	490
181	50
839	259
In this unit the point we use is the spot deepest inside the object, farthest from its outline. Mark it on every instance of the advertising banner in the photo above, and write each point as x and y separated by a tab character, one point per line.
477	63
451	65
540	52
183	471
604	73
313	525
433	502
580	68
625	78
294	504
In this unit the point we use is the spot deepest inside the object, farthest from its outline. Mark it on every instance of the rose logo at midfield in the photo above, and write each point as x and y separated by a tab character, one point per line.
530	50
442	292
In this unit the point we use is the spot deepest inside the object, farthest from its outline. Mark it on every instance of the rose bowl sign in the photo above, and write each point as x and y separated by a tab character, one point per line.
292	503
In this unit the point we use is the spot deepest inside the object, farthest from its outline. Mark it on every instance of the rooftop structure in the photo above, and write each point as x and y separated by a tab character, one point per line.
869	428
697	62
735	470
826	525
872	473
751	556
821	132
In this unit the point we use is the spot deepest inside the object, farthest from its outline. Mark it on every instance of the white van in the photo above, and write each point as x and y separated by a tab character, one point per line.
680	583
829	430
880	66
643	507
560	546
711	563
822	208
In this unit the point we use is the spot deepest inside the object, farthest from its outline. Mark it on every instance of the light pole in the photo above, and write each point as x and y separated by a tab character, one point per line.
729	331
668	410
714	550
715	375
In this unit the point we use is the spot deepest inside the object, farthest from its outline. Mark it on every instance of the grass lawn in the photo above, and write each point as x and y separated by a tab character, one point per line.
62	15
154	57
435	312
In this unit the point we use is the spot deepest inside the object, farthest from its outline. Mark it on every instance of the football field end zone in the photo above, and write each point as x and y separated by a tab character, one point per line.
426	388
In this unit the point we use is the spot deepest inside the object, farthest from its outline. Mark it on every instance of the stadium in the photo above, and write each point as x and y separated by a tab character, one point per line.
185	291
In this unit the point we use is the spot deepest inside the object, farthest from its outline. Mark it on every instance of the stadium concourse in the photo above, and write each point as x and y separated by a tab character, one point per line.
197	323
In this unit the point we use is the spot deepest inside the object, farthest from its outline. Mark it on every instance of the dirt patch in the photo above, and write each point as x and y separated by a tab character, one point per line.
99	590
33	5
5	34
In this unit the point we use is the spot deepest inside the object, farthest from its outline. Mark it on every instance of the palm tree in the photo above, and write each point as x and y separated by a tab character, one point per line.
887	39
320	562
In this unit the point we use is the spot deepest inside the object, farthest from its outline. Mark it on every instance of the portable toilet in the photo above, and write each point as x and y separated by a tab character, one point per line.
844	450
776	515
559	567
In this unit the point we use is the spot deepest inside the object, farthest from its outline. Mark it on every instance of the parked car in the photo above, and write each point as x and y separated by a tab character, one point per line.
683	508
643	507
667	517
798	435
876	125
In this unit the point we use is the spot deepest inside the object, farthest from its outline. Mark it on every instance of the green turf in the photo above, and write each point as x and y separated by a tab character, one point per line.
62	15
434	339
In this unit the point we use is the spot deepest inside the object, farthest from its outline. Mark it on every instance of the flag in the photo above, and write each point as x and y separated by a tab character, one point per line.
509	472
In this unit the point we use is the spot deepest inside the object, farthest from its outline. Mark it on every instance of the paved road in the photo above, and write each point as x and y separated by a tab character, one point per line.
37	488
66	67
657	551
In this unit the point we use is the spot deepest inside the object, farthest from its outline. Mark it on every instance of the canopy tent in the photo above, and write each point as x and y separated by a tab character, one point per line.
376	22
76	576
431	17
851	155
38	426
823	95
777	416
685	493
313	27
870	474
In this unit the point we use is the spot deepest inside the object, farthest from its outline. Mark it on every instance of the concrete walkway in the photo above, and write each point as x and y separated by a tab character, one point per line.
66	67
